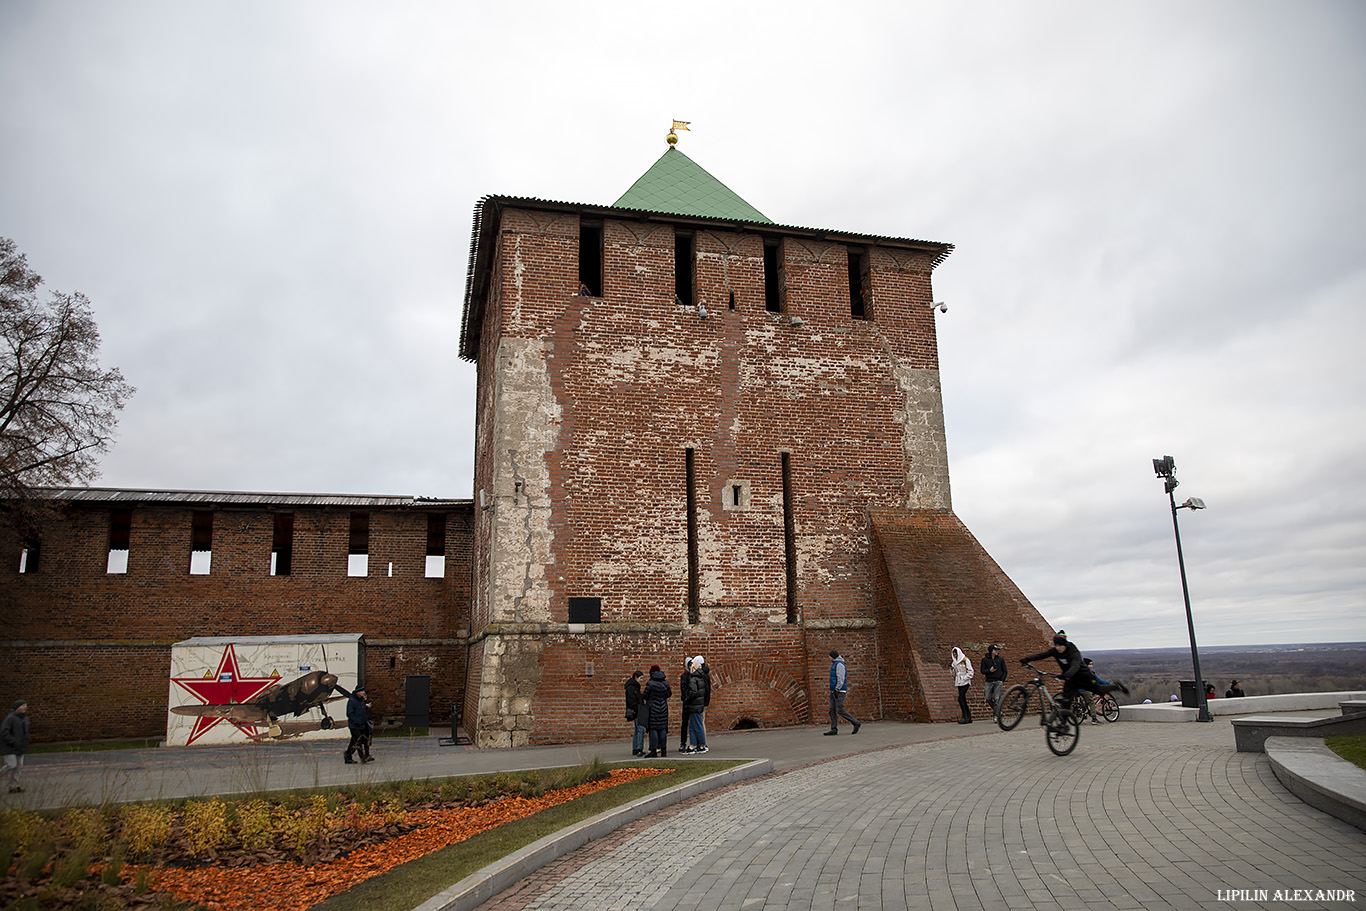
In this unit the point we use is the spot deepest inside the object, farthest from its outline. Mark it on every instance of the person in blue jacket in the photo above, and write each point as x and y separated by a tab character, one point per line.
839	688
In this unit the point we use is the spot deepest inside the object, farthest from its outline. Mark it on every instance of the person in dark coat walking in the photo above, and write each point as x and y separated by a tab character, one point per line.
839	688
994	671
14	735
635	713
358	721
657	693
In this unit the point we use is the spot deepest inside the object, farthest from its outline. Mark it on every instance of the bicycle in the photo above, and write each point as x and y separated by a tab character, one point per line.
1061	730
1106	707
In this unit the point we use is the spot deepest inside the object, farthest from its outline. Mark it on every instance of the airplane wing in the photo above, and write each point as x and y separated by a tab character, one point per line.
287	730
245	713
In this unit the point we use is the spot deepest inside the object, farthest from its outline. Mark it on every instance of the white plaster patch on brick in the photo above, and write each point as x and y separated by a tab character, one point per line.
824	558
526	429
797	378
624	363
727	260
763	336
514	307
924	442
711	583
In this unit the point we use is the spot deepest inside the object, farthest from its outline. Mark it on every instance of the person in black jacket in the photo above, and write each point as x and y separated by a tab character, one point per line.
685	719
14	738
656	695
358	720
993	668
695	703
1075	675
635	713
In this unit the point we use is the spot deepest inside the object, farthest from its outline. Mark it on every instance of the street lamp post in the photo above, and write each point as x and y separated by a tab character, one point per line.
1165	468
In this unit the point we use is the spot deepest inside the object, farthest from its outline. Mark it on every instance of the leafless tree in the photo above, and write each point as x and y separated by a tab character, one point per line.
58	408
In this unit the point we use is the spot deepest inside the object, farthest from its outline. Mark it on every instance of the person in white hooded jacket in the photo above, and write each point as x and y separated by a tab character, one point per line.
962	678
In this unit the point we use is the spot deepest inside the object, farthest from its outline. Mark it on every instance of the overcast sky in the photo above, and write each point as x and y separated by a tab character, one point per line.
1159	210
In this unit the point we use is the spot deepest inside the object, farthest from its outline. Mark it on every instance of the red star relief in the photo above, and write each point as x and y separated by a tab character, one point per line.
226	687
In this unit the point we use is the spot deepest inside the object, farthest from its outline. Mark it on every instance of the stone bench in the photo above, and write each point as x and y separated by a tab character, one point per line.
1250	732
1319	777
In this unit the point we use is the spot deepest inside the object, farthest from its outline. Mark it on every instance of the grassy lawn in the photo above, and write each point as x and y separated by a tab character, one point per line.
1351	747
406	887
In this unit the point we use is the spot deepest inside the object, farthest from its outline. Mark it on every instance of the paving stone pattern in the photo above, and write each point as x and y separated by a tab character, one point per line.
1140	817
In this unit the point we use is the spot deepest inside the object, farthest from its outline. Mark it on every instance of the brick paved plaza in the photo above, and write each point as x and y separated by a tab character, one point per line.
1141	816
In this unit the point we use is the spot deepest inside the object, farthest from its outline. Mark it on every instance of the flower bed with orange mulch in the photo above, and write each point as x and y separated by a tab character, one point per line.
265	856
292	886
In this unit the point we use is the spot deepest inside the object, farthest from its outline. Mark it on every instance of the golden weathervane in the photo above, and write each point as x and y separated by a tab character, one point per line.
672	138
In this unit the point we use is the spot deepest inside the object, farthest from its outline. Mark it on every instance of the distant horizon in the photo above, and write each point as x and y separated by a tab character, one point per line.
1203	647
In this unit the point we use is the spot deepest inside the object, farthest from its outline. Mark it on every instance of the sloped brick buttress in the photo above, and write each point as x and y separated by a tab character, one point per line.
936	588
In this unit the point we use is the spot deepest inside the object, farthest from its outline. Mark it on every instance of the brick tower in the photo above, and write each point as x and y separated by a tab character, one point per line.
701	432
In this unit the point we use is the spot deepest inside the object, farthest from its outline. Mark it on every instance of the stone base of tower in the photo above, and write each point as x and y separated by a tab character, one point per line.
544	683
937	588
933	587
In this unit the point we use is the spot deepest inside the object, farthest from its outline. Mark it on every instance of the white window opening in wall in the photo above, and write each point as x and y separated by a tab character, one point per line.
358	549
201	543
436	545
28	558
120	534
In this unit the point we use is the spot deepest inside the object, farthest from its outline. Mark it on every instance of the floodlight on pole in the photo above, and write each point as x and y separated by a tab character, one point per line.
1165	468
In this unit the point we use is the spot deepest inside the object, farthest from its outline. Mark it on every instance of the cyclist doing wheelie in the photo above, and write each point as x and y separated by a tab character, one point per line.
1076	676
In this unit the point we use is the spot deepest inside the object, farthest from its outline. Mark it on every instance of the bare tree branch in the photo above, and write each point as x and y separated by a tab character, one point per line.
58	407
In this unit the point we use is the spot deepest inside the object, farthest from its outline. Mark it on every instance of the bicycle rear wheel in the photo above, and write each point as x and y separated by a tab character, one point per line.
1014	705
1062	733
1079	712
1109	707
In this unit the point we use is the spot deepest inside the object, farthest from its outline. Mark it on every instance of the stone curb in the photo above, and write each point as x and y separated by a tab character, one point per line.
1319	777
484	884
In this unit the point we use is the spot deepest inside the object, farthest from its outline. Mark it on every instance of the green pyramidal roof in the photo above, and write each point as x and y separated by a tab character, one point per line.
678	185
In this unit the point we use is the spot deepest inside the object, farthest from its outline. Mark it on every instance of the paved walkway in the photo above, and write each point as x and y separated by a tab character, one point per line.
1141	817
66	779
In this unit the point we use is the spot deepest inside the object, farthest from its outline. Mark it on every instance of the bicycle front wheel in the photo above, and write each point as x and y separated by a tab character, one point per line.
1109	707
1062	734
1014	705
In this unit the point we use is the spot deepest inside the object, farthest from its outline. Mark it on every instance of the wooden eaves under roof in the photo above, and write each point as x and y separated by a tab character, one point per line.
230	499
